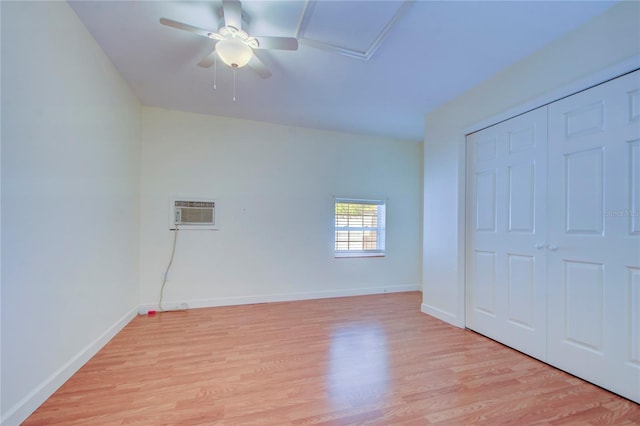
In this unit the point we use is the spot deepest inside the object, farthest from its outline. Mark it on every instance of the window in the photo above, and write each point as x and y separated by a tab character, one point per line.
360	228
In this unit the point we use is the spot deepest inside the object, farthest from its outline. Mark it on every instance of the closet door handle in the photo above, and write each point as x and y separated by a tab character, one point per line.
553	247
539	246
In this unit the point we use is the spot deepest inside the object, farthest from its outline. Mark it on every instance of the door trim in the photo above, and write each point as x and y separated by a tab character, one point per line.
618	70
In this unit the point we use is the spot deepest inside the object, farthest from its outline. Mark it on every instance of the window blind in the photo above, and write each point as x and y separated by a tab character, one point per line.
359	227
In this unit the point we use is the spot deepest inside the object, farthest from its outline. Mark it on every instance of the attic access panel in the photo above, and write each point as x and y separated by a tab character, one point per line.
351	28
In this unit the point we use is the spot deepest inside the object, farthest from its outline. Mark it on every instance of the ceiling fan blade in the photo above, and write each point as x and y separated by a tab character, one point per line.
232	10
258	66
185	27
281	43
208	60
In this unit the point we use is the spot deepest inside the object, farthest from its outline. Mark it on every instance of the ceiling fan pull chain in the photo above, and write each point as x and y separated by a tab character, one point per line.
234	84
215	71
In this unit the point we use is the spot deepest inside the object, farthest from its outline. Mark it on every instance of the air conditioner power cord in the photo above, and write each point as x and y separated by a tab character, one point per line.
166	272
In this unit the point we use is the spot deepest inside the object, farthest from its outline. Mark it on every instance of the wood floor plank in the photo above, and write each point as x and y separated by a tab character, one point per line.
366	360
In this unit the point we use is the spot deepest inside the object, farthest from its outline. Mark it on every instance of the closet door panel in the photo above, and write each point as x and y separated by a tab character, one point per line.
634	202
506	259
594	243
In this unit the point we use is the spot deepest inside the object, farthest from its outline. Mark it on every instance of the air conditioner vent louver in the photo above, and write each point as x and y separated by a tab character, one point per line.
192	214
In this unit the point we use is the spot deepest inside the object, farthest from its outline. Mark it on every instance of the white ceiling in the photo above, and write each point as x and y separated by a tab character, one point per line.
371	67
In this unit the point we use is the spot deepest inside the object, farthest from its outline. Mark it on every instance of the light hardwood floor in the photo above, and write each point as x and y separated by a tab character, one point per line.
374	360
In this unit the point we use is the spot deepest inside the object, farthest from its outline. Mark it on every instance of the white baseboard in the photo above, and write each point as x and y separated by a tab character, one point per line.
281	297
27	405
441	315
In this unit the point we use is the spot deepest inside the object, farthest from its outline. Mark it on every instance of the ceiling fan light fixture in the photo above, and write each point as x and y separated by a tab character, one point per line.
234	52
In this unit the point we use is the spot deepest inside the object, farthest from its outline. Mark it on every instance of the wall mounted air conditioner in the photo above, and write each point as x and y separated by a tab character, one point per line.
192	213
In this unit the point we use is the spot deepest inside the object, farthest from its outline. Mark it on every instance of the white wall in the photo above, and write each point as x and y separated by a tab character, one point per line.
605	45
259	173
70	173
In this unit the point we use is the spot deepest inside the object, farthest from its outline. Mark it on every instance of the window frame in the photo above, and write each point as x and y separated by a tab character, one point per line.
380	229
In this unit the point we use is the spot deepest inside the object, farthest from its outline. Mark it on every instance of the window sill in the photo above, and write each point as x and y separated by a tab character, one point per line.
357	254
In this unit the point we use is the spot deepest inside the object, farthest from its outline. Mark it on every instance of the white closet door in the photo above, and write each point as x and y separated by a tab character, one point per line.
506	256
594	238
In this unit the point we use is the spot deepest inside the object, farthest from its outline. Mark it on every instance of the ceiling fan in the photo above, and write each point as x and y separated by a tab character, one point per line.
233	45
